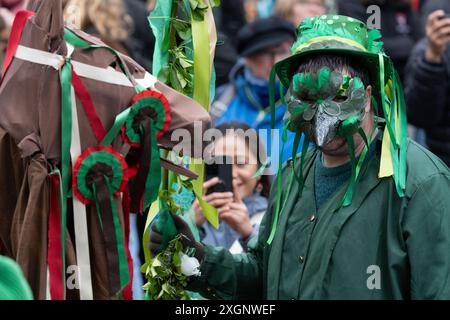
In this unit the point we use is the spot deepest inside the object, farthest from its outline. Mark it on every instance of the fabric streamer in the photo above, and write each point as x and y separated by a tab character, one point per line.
80	214
203	58
99	176
56	271
148	120
14	38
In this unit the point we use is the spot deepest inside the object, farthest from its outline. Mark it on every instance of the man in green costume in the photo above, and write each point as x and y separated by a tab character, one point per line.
365	214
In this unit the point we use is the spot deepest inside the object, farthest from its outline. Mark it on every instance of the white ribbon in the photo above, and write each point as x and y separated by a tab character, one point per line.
79	216
108	75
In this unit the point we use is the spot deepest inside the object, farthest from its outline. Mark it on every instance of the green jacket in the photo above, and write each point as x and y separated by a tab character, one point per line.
13	285
380	247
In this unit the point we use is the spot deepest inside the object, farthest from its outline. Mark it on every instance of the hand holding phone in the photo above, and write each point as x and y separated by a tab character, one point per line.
217	189
222	168
438	36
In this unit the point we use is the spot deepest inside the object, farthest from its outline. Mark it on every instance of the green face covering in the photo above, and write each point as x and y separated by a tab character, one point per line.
319	103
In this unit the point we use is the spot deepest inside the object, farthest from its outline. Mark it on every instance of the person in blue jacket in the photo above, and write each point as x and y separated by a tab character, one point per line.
246	98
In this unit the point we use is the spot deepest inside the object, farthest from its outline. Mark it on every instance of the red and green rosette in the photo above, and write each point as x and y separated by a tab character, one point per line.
99	162
100	175
148	120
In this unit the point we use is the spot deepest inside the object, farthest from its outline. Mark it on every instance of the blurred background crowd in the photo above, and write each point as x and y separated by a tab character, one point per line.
252	36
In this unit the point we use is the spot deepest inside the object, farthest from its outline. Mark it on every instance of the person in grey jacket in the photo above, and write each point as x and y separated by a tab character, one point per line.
427	87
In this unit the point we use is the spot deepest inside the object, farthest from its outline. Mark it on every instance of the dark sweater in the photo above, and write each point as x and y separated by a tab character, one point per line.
427	93
329	180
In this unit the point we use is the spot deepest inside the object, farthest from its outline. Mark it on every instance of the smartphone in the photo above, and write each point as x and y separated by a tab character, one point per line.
222	168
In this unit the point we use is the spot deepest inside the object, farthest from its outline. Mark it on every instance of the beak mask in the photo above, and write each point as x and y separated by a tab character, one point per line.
320	103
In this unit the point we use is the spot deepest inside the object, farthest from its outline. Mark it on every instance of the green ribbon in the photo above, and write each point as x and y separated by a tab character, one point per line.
97	205
347	200
66	132
165	224
154	175
117	126
124	274
356	165
279	187
159	21
403	132
75	41
123	265
384	102
66	140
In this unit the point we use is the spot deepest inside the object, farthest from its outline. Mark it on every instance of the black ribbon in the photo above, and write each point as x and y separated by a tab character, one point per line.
97	176
143	123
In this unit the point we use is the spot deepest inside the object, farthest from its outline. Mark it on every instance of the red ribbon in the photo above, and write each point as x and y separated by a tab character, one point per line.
14	38
54	258
88	105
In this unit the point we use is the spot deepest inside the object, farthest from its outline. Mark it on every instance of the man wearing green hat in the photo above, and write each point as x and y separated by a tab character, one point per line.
366	213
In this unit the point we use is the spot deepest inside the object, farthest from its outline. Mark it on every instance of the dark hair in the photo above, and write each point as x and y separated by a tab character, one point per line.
254	149
335	62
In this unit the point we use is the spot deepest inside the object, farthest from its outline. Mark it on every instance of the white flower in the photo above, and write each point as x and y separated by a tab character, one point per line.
189	265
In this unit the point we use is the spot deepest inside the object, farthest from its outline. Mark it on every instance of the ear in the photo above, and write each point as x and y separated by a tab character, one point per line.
368	107
49	17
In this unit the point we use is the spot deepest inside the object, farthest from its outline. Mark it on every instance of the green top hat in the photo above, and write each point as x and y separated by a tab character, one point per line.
338	35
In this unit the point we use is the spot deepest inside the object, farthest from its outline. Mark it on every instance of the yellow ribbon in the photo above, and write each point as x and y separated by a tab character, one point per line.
386	165
154	209
328	38
204	38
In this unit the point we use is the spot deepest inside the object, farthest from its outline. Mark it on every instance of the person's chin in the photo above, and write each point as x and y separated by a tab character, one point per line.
335	147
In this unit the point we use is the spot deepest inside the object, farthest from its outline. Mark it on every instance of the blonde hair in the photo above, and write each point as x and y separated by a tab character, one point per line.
107	16
283	8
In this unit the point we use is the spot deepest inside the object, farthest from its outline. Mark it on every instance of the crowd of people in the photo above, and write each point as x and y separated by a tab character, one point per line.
255	35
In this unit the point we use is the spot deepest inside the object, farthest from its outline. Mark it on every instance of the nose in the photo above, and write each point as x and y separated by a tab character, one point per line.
325	128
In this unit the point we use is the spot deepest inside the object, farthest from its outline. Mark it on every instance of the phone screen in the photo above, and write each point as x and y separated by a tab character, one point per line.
223	169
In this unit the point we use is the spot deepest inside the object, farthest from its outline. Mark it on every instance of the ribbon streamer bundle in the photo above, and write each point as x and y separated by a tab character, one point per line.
98	175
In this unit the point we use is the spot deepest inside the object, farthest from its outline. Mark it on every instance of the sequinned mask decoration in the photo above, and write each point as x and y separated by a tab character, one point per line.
319	103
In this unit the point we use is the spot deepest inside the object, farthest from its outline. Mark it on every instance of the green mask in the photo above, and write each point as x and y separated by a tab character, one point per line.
319	103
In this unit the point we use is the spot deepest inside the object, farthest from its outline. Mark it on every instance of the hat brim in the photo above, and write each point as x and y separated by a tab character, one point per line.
266	43
287	68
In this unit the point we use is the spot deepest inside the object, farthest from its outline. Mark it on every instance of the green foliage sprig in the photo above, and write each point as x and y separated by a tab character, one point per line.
165	279
178	73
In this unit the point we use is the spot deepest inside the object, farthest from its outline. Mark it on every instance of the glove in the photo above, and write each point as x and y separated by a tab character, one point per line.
188	240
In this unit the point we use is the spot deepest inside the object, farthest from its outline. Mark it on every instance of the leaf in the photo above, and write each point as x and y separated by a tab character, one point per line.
214	3
166	282
202	6
183	29
183	83
176	260
198	16
185	63
194	4
185	35
173	77
156	263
